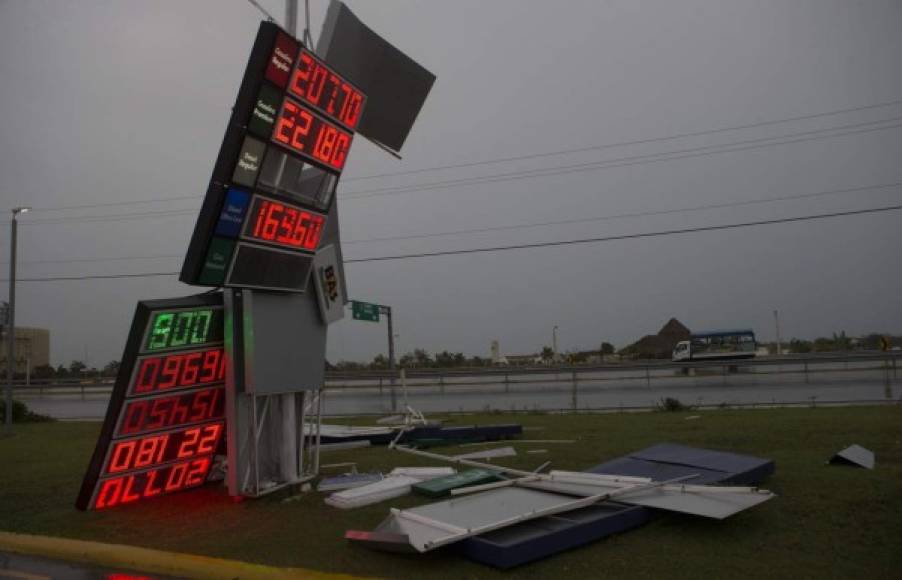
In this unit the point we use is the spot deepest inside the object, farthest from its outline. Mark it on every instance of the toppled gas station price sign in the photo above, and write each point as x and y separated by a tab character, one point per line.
274	180
166	417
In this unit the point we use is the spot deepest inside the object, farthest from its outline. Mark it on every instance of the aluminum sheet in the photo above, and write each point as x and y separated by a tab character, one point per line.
855	455
714	503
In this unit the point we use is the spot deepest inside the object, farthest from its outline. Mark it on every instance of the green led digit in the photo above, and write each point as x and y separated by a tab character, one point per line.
201	326
159	333
182	328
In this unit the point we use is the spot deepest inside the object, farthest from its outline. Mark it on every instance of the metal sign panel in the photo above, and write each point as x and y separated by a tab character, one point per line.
284	343
166	416
327	278
274	180
396	86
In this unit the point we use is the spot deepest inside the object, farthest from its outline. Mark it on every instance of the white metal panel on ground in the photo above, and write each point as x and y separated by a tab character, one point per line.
423	473
388	488
489	453
699	500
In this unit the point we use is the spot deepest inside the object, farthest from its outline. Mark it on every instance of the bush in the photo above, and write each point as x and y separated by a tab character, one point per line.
21	413
672	405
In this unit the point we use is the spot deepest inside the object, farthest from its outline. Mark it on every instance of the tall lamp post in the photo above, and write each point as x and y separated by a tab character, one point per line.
11	322
554	342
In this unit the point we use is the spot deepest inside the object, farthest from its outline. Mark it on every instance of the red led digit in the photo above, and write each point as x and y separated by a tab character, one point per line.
128	493
313	233
300	230
191	437
285	122
198	472
286	225
134	417
301	130
122	456
190	368
317	82
149	489
109	493
147	375
176	477
160	411
207	443
302	74
336	86
170	372
341	150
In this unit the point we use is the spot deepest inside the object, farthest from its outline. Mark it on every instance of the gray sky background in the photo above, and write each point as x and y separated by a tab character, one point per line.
127	101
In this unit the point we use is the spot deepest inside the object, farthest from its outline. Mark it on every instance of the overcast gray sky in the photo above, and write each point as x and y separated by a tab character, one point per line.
127	101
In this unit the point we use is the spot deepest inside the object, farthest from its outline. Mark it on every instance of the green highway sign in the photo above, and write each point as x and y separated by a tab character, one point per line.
364	311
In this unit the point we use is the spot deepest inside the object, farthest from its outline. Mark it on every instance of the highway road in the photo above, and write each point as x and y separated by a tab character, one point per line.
600	392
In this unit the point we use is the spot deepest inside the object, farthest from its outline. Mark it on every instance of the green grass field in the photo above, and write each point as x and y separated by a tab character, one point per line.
828	521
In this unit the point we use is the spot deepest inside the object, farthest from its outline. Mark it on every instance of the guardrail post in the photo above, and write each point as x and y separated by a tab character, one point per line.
441	384
647	377
507	384
573	401
806	372
380	387
82	391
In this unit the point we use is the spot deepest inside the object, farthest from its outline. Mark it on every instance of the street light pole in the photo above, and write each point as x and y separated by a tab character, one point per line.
777	324
11	323
554	342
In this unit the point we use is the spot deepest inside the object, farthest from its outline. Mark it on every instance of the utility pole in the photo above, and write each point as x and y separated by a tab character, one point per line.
554	343
11	322
777	324
386	310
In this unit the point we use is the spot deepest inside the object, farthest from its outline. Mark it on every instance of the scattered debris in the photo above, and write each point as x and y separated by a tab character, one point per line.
522	441
348	481
542	467
428	527
534	451
854	455
489	453
390	487
692	417
423	473
443	486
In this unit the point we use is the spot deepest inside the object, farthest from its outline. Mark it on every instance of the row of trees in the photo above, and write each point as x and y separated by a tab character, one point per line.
76	370
841	342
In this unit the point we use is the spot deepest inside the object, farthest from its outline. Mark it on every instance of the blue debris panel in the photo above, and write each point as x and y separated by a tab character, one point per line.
543	537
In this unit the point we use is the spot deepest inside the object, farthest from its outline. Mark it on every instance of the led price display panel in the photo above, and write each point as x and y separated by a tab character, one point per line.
274	180
166	417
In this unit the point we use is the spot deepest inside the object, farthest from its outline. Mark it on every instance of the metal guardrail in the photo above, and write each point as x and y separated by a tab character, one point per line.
573	375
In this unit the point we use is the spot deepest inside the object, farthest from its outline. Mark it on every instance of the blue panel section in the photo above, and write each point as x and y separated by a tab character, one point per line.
658	471
667	460
232	215
544	537
536	539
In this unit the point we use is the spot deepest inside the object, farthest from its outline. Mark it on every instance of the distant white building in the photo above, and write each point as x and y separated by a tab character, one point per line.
497	357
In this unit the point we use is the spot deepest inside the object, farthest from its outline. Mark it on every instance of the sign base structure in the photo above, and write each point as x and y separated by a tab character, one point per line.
273	390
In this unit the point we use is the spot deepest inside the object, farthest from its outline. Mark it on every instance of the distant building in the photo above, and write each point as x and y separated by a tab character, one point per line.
32	348
658	345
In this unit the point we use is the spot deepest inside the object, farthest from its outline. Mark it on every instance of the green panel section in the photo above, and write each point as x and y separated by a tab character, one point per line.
443	485
264	113
365	311
217	261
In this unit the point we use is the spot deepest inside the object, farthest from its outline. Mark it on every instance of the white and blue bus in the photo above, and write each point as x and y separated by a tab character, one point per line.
716	345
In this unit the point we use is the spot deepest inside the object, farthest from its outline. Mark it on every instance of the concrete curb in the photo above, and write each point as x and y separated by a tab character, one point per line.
151	561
